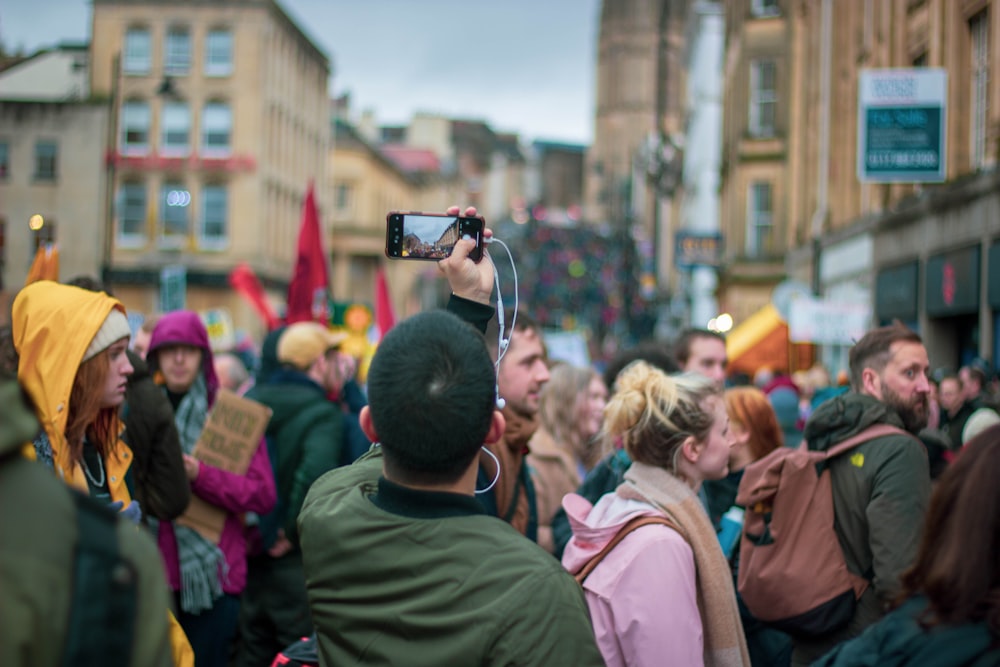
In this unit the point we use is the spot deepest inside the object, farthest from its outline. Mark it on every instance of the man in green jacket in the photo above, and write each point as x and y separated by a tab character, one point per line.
406	568
880	488
304	440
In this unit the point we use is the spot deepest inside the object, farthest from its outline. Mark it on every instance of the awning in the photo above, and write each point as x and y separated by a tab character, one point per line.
760	340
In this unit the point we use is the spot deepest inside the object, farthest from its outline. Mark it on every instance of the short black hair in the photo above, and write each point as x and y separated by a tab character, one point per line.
431	394
682	346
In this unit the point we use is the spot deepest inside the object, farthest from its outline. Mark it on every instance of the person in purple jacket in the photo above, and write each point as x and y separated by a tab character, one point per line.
206	578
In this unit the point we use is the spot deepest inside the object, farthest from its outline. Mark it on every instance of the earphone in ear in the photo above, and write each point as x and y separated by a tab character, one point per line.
500	403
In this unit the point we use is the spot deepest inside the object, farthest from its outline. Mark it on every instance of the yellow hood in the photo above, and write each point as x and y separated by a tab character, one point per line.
53	325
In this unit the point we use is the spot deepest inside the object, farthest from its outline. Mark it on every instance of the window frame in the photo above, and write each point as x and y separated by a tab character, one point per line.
182	65
761	98
213	242
172	240
52	175
122	237
979	92
215	151
166	147
134	64
124	146
758	245
4	160
212	68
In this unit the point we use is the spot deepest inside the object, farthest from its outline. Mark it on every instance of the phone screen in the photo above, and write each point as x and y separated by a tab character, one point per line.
430	236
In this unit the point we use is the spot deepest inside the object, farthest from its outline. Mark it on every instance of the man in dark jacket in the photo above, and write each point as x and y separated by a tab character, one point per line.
880	488
305	439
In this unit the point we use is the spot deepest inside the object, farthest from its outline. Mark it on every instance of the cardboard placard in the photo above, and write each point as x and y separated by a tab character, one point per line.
232	433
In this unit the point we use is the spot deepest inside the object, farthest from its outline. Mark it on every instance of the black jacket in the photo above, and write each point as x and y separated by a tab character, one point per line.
159	482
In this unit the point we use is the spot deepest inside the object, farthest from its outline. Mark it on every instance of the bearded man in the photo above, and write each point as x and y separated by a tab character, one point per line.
880	488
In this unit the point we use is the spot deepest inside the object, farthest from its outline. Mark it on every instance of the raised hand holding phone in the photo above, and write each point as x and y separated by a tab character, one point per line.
469	279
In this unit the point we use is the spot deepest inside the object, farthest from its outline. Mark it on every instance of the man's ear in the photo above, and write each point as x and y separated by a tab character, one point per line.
871	383
498	425
365	418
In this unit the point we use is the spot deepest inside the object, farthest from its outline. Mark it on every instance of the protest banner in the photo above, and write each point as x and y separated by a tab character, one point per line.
232	432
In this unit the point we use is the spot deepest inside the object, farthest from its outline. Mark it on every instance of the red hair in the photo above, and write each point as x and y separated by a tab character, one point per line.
86	416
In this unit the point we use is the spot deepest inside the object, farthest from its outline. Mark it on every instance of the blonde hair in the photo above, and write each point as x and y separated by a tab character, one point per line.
559	400
653	413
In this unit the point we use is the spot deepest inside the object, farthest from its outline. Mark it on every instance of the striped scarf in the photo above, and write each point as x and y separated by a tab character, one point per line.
200	560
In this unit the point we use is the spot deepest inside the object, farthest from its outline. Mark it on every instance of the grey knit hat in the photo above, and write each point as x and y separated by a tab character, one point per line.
115	328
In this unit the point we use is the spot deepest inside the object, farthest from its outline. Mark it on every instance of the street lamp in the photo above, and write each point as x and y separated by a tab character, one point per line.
111	159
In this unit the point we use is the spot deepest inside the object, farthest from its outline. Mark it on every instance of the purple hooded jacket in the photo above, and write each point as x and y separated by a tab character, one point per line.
237	494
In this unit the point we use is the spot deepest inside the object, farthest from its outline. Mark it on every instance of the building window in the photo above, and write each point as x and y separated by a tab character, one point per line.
760	220
176	129
178	57
135	128
979	32
219	53
175	204
342	197
216	127
762	8
214	214
46	160
138	50
4	160
132	214
763	98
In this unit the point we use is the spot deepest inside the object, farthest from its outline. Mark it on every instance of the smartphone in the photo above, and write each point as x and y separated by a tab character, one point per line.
430	236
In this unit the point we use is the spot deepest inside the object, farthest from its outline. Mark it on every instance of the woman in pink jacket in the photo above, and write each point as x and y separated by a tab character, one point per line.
206	577
663	595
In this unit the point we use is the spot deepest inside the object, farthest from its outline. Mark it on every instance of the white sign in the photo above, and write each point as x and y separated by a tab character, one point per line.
221	332
827	322
568	346
901	125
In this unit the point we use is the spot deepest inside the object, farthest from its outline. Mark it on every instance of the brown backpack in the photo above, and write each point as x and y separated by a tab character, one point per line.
637	522
792	572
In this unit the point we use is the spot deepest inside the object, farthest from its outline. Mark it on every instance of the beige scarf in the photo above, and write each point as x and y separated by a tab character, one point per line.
725	644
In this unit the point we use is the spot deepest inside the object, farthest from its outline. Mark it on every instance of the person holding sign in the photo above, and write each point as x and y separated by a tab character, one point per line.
207	577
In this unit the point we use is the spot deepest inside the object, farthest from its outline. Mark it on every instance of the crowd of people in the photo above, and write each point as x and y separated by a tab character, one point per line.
479	504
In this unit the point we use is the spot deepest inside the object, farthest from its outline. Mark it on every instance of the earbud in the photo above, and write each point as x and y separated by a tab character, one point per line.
500	403
504	342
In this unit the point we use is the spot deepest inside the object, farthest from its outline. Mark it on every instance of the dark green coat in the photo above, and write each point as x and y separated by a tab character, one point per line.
304	440
38	521
880	494
898	640
398	576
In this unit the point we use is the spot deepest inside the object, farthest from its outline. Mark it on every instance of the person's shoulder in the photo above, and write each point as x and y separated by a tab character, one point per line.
328	491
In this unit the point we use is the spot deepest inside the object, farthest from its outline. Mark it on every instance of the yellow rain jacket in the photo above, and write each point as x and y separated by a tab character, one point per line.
53	325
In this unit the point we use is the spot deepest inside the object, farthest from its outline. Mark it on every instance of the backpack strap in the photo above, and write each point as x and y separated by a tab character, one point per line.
870	433
104	595
632	525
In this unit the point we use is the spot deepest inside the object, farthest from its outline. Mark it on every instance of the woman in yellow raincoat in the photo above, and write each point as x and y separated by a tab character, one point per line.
71	361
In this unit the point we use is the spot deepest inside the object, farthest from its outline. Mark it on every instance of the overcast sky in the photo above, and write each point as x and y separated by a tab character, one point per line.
525	66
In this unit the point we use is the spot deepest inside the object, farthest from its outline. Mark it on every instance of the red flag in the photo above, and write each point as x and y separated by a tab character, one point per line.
245	281
307	292
385	319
